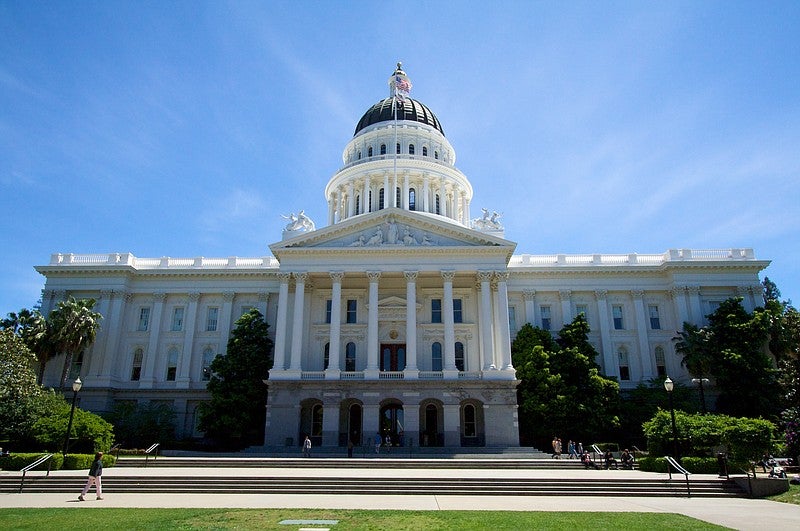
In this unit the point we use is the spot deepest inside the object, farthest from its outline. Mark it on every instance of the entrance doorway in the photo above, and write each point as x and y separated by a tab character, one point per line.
392	422
354	424
393	356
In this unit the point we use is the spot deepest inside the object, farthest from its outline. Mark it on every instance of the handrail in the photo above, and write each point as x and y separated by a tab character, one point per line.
116	448
154	450
671	462
33	465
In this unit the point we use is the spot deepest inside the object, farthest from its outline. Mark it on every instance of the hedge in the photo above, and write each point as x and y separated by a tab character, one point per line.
695	465
18	461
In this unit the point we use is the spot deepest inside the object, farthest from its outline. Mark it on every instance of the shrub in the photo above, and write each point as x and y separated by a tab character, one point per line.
49	429
701	465
18	461
84	461
140	425
653	464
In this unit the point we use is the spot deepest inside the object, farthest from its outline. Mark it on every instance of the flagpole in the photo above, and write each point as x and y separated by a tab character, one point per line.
394	148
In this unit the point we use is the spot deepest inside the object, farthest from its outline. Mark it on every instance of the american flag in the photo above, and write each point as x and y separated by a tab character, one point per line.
402	85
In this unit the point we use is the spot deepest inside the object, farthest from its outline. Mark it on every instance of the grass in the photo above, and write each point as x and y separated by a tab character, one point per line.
349	520
790	496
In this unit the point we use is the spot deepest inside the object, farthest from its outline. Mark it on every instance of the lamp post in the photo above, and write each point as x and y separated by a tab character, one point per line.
76	386
701	381
669	385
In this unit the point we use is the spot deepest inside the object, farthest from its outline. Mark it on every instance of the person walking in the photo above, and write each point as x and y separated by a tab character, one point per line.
571	448
95	473
307	447
378	441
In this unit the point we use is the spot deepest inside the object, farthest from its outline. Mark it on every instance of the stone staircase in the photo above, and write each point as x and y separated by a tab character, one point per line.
188	478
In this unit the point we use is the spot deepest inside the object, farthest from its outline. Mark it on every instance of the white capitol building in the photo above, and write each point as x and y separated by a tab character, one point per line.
397	316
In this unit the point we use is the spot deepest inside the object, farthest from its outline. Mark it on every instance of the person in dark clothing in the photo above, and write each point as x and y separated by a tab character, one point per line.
95	473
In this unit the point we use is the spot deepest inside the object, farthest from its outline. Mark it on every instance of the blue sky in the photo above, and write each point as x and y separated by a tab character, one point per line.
186	128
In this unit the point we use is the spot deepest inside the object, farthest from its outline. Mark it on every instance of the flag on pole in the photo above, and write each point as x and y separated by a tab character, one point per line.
402	87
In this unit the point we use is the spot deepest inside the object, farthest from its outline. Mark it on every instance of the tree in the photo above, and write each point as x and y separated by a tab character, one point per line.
18	387
235	415
694	344
75	327
744	371
561	390
140	425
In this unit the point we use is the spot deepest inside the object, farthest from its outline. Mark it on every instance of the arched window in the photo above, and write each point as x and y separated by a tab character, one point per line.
358	204
469	421
412	199
369	205
359	155
316	420
424	151
398	148
326	356
208	357
436	357
436	155
661	362
624	364
380	199
460	356
369	151
398	197
383	149
77	365
411	149
350	357
172	364
136	366
438	206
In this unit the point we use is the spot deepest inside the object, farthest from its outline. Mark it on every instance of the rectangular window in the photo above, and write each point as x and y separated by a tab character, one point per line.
512	318
458	313
211	319
136	365
436	310
661	362
144	320
352	311
616	312
177	319
172	364
655	321
545	311
328	306
624	367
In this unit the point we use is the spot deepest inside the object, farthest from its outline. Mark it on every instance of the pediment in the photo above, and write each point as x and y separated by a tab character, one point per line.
391	229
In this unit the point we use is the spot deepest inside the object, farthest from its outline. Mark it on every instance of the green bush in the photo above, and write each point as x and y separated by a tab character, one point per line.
84	461
701	465
653	464
49	429
140	425
18	461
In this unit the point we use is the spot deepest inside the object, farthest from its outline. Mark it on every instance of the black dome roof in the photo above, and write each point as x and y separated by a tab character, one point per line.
409	110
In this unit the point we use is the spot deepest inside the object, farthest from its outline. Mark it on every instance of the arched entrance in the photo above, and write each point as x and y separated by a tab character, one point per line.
354	423
431	424
311	422
392	422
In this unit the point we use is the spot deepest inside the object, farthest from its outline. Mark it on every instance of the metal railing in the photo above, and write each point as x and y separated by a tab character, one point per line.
672	463
152	450
45	457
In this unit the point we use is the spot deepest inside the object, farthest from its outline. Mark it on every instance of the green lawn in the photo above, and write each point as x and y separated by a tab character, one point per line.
82	519
790	496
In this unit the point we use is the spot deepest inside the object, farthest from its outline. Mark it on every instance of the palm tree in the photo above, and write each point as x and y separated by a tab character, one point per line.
16	321
38	334
74	328
694	344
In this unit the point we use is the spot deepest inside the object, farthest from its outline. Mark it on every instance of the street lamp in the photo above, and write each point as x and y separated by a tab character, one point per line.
669	385
76	386
701	381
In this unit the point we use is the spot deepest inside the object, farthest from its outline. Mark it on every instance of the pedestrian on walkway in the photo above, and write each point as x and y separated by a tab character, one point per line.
307	447
388	443
378	441
349	447
571	448
95	472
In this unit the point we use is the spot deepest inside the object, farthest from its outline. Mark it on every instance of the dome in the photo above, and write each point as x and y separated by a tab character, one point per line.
410	110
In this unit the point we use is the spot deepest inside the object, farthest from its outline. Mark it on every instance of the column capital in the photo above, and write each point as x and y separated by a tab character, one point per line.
693	290
126	295
448	275
600	294
501	276
159	296
227	296
284	277
337	276
263	296
529	294
104	294
194	296
411	276
743	290
637	293
300	276
565	294
374	276
485	276
676	292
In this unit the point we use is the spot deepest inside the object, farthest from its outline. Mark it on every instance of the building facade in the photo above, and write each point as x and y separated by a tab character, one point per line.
397	316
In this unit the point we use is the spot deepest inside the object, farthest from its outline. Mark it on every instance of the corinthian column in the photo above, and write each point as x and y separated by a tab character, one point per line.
372	322
336	324
487	340
279	363
449	326
297	321
411	323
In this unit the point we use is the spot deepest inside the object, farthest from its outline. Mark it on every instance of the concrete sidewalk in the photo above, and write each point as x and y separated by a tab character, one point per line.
734	513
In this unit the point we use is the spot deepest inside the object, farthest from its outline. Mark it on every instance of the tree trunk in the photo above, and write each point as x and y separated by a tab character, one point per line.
65	372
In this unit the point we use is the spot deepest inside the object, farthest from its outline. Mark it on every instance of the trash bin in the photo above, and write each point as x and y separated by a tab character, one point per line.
722	463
